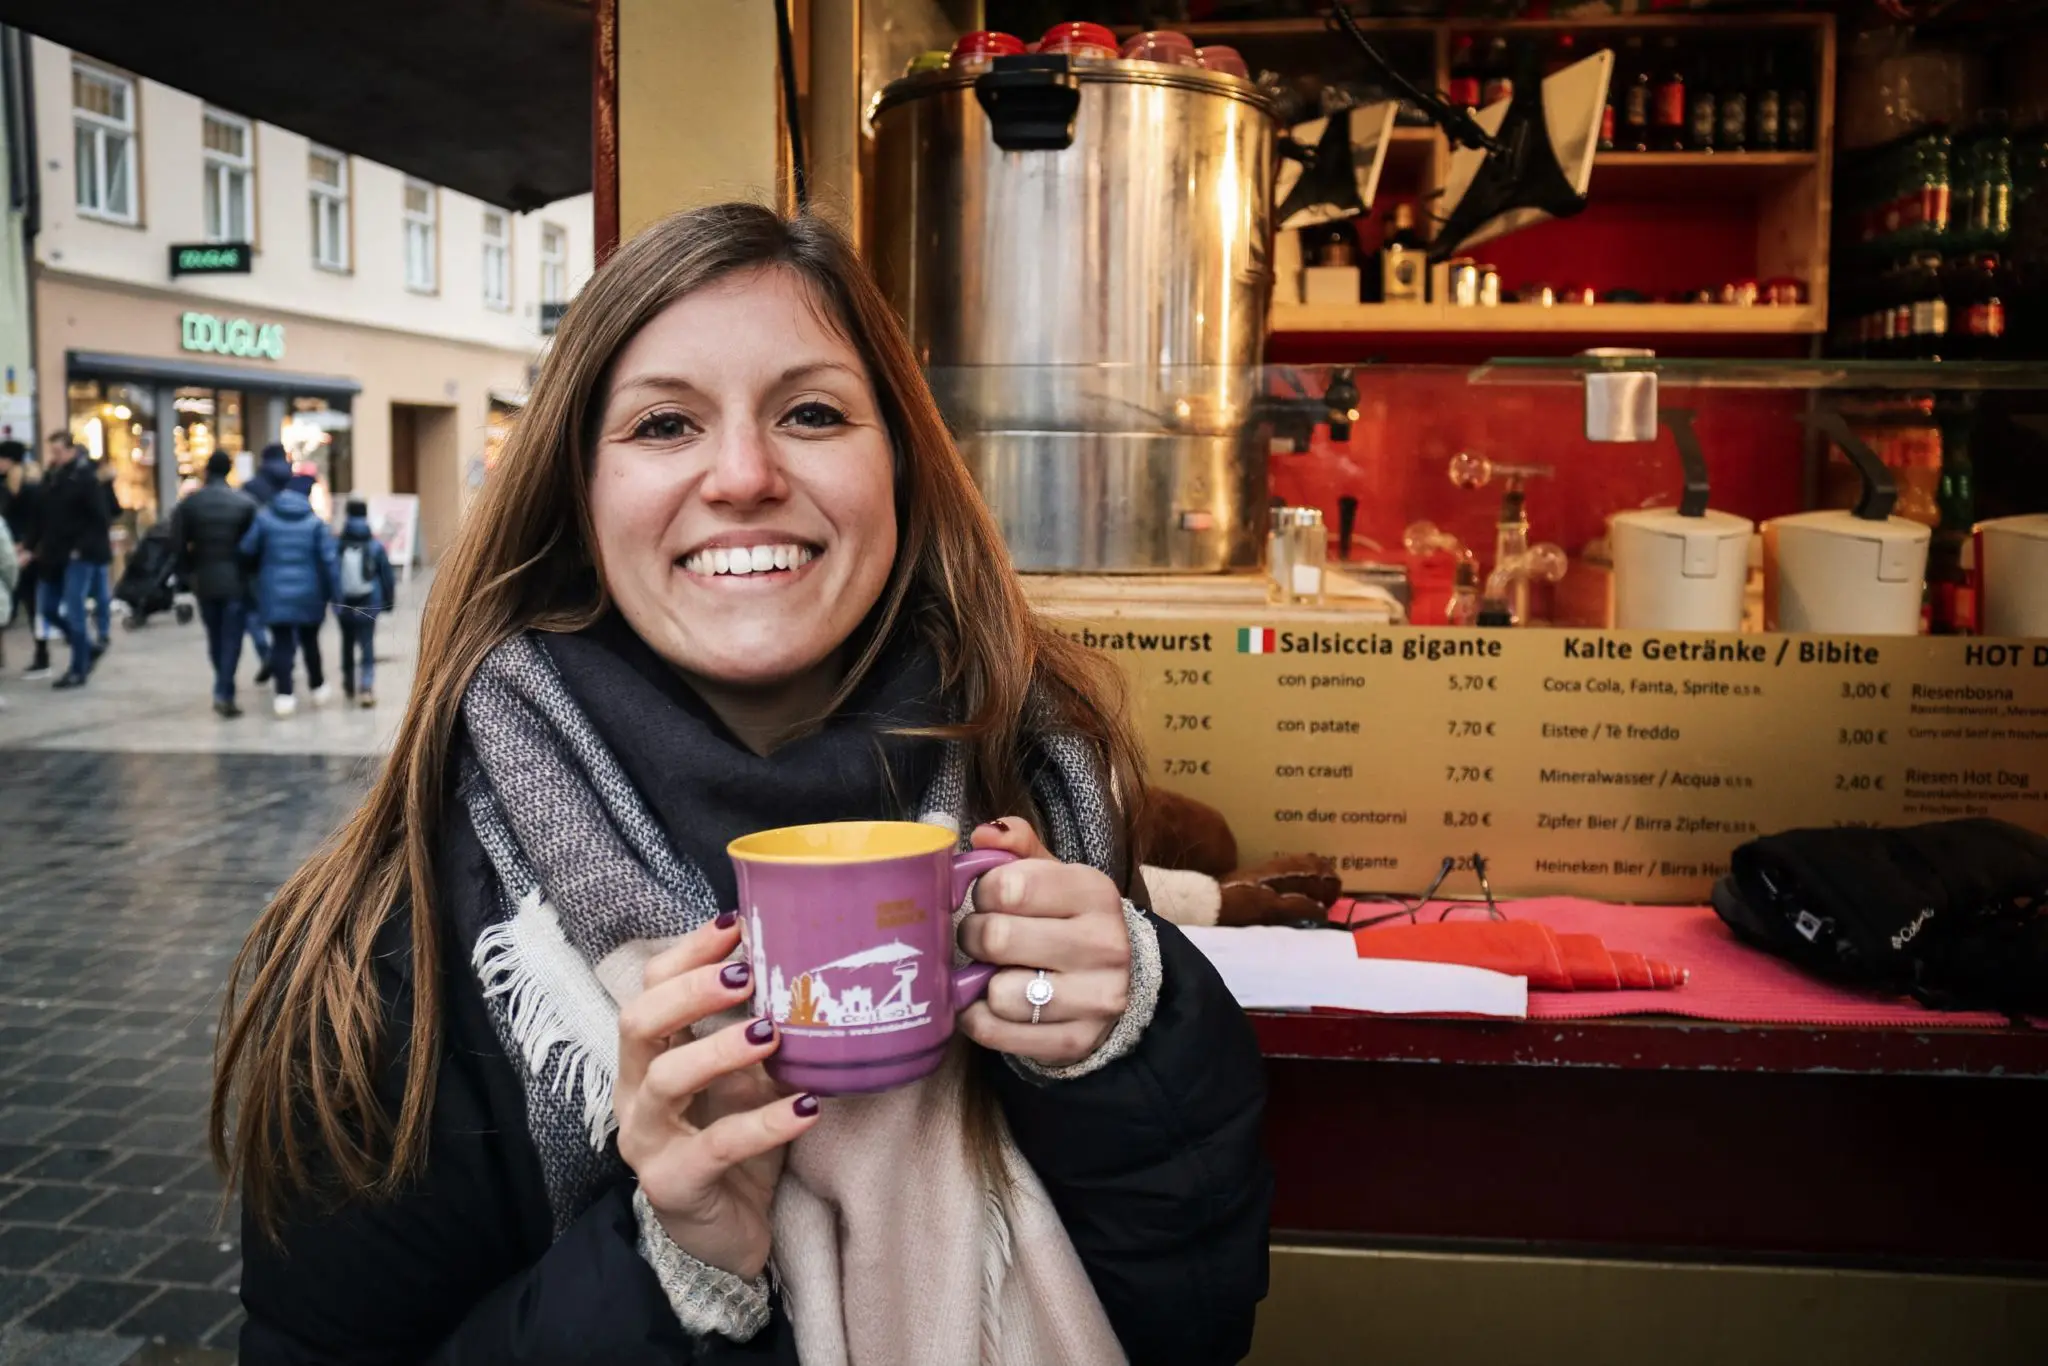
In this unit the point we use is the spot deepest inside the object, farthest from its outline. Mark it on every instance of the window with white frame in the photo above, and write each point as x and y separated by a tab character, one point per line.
230	156
103	142
497	259
327	190
554	264
422	251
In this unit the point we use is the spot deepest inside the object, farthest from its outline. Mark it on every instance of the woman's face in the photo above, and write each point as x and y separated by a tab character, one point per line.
743	492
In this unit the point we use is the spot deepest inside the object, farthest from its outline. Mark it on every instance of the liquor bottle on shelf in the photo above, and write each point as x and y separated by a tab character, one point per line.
1985	215
1737	75
1926	309
1795	110
1951	592
1610	114
1464	84
1668	112
1766	106
1403	267
1977	306
1497	71
1702	107
1636	98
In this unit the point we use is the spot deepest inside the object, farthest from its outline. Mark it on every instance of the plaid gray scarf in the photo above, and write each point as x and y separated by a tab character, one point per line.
582	837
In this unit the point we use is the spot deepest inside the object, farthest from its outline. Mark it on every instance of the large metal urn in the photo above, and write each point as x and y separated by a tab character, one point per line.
1082	251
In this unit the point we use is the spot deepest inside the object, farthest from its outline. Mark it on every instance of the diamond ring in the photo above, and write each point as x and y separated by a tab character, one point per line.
1038	991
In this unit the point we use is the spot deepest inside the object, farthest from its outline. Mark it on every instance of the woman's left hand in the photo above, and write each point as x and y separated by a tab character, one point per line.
1066	918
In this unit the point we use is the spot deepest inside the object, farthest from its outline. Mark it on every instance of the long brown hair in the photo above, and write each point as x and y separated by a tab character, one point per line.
295	1107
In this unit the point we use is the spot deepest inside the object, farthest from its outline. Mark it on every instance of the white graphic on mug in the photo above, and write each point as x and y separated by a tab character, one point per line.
870	987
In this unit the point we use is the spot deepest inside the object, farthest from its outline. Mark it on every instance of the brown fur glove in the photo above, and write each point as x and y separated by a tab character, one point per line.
1287	888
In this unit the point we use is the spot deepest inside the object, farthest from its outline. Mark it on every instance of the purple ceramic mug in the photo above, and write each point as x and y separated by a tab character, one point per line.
850	933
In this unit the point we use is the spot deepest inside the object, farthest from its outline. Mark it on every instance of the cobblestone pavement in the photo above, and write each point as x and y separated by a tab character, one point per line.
126	883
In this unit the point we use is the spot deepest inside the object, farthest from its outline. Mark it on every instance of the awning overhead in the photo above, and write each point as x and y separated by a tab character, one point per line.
488	97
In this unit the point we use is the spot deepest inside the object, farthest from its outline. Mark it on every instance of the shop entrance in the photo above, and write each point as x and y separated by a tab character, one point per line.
423	463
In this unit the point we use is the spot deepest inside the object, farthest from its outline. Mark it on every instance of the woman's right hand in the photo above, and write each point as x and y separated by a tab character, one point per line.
700	1123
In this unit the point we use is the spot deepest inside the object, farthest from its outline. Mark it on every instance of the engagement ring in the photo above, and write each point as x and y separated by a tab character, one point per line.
1038	991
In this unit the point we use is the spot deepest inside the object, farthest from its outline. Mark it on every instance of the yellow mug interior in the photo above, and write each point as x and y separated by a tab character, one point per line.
842	842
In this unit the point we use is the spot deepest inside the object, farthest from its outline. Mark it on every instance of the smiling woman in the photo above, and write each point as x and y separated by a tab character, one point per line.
481	1082
743	495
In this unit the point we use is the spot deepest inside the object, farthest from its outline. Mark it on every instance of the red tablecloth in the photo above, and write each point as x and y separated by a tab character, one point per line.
1729	980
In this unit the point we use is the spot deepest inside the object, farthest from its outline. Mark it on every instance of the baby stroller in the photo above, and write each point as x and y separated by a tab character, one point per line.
149	583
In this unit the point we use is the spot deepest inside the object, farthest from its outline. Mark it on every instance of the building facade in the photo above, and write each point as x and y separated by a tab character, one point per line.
203	282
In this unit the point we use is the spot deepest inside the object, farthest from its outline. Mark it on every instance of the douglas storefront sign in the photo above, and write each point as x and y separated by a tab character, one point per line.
232	337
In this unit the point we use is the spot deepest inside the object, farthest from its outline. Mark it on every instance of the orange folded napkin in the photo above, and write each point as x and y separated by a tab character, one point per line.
1521	948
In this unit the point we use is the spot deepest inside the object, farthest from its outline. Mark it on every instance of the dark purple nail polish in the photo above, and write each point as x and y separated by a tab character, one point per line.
735	975
761	1030
806	1106
1003	826
727	920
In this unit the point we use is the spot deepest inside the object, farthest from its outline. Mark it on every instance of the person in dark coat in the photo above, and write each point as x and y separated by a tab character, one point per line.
293	554
21	503
273	475
367	587
540	1133
75	547
273	472
207	529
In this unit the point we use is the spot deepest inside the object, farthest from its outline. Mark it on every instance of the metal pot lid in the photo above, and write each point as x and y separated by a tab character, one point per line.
1725	526
2033	526
1091	71
1835	522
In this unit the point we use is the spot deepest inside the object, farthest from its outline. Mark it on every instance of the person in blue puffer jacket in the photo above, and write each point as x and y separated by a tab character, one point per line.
297	575
368	586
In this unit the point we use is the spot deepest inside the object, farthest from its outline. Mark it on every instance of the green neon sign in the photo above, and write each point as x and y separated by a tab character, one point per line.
230	258
232	337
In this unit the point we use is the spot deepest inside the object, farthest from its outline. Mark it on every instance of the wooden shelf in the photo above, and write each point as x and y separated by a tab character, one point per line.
1622	320
1695	175
1225	29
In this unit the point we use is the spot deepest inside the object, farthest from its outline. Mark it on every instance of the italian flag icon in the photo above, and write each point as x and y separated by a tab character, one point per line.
1255	640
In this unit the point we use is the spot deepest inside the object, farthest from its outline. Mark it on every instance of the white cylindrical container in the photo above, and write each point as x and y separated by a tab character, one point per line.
1676	573
1836	572
2012	576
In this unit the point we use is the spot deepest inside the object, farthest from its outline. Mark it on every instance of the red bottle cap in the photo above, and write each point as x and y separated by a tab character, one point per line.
1224	59
983	44
1079	40
1163	45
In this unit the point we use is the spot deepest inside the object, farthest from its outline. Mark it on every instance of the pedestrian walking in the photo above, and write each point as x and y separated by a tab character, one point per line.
101	589
368	588
273	472
21	506
207	529
10	577
296	577
75	546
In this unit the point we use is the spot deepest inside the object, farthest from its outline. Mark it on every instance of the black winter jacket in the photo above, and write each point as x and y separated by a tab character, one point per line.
207	531
24	513
1154	1164
76	516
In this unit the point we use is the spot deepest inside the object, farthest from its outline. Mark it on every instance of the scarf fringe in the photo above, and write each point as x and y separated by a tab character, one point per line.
996	1256
527	964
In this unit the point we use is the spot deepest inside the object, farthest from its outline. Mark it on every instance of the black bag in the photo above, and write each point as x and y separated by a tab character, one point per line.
1954	912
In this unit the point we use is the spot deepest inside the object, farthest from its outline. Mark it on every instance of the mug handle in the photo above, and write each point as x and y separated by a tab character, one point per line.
971	981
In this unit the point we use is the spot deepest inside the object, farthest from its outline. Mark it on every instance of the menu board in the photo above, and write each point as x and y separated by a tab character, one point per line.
1623	765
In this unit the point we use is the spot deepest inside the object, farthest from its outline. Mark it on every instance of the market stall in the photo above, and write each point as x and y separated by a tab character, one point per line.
1522	463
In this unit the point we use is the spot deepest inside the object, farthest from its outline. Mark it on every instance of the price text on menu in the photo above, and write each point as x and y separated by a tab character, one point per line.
1619	764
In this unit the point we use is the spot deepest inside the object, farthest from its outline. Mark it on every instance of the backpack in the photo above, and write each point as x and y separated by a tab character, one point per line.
1954	912
356	581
